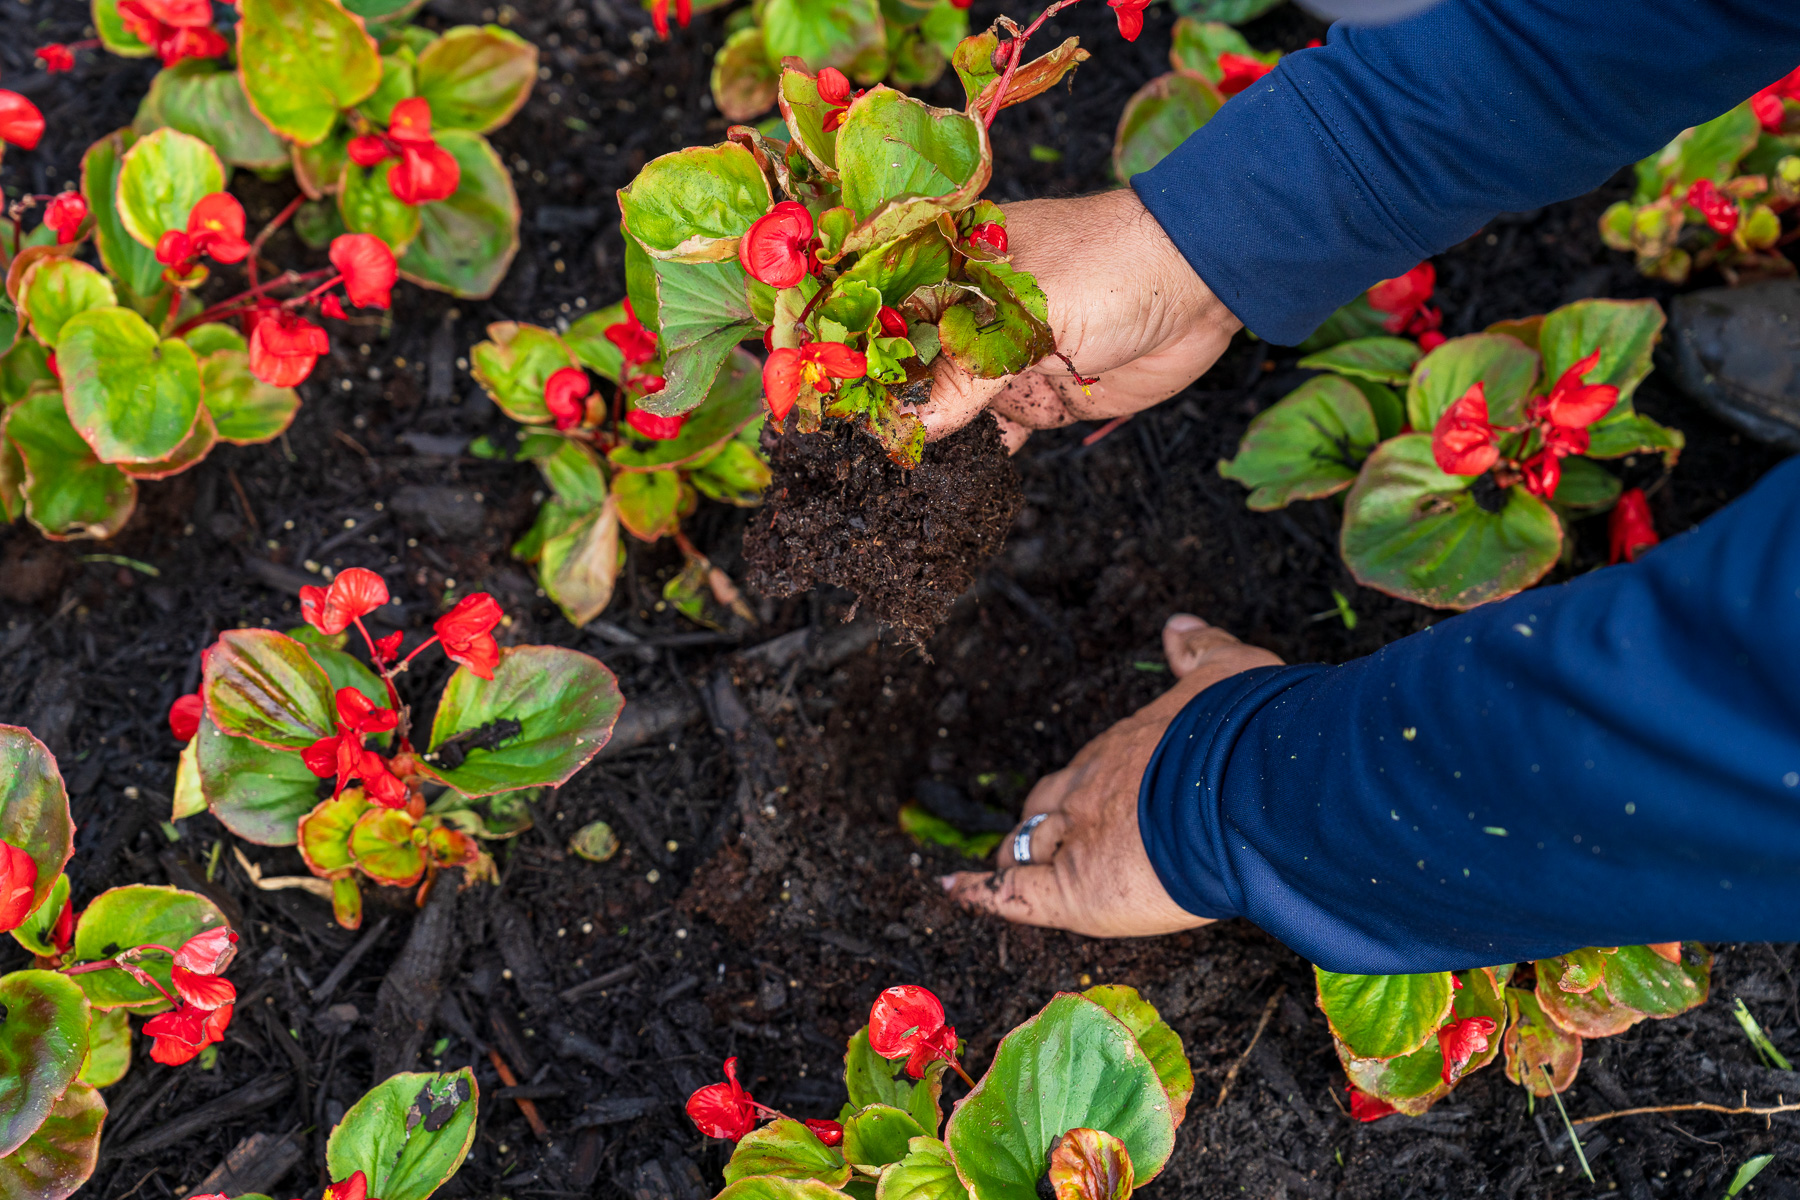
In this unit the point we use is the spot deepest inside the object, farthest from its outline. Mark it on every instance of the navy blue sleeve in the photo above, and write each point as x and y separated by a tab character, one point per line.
1611	761
1353	161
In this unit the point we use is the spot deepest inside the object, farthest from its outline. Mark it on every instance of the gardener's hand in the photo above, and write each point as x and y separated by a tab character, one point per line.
1089	873
1124	306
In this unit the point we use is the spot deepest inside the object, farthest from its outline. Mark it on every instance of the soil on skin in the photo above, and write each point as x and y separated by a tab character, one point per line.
764	894
907	542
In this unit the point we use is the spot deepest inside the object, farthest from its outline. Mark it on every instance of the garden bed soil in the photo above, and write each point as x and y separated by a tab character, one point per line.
764	894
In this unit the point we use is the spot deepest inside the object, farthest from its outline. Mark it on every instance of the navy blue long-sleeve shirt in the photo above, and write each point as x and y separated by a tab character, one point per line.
1611	761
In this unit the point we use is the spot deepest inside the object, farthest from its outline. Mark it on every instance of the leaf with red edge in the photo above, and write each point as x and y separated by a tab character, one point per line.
132	395
56	289
408	1134
744	84
733	404
878	1135
1090	1164
264	686
787	1149
476	76
42	1042
161	178
68	492
1383	1016
202	98
1640	978
57	1159
1160	1043
137	915
1624	332
1539	1055
245	410
467	241
257	793
325	833
1505	365
302	61
515	365
193	449
649	502
34	808
368	205
346	902
693	205
926	1173
565	702
382	845
1159	117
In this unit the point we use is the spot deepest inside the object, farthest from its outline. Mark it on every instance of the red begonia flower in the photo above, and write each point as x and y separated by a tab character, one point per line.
387	649
368	268
1767	103
174	248
21	124
656	428
723	1110
990	234
1365	1107
1720	210
563	393
18	886
63	936
907	1021
184	716
1131	17
659	15
1239	71
834	90
215	228
1430	340
56	57
1543	470
359	714
65	215
50	365
829	1132
1403	296
649	385
202	991
367	149
774	250
180	1035
1573	404
465	632
354	1188
1630	529
208	953
637	344
893	322
424	174
356	592
410	122
284	346
1462	442
1461	1041
175	29
816	363
332	307
183	44
380	785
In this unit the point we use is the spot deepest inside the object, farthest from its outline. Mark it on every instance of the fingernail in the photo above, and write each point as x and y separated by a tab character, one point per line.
946	882
1184	623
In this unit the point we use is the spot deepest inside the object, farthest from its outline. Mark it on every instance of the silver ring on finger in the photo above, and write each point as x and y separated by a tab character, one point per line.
1021	846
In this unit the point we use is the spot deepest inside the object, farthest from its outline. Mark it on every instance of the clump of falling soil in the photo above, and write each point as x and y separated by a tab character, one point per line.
907	542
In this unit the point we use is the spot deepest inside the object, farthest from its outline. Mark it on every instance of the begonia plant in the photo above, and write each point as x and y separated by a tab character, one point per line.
1406	1041
1081	1102
114	371
1719	194
858	250
382	116
907	43
283	725
65	1032
1461	465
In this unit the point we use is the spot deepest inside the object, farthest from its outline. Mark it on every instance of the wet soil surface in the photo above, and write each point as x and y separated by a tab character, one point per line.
764	894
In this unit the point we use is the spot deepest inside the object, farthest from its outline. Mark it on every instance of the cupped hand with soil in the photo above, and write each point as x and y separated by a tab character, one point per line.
1124	306
1089	872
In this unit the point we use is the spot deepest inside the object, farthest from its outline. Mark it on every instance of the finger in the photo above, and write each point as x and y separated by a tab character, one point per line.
1187	640
1012	434
957	397
1024	895
1046	836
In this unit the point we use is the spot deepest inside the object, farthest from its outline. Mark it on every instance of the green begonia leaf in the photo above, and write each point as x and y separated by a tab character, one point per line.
902	162
396	85
1586	487
34	808
1413	1082
265	686
476	77
12	479
198	97
1414	532
1383	1016
693	205
466	243
1708	151
42	1042
805	113
161	178
1357	319
640	284
735	402
926	1173
1232	12
1505	366
1310	444
39	926
68	492
324	833
696	300
872	1079
114	34
1195	46
515	363
190	798
62	1154
1157	1038
1639	978
56	289
579	562
137	915
1536	1047
744	83
132	396
1589	1014
109	1049
851	303
129	260
1625	433
846	34
319	169
1017	335
901	267
649	502
567	704
26	364
367	204
1073	1066
194	447
255	792
738	474
574	473
1159	117
408	1134
878	1135
383	847
246	411
597	352
775	1187
302	61
1624	331
1378	359
790	1150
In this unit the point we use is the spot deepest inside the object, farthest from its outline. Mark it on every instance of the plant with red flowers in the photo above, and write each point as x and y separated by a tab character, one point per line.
283	726
1406	1041
1460	490
612	463
1120	1079
116	373
858	250
1718	195
379	115
155	952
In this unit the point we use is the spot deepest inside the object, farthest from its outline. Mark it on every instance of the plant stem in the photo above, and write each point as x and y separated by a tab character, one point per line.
958	1068
226	308
1018	53
1580	1154
1771	1110
275	223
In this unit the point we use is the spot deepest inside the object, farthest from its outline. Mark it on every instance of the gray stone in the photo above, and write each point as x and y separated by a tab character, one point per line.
447	512
1737	352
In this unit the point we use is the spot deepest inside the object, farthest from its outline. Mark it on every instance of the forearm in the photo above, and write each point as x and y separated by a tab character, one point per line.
1353	161
1613	761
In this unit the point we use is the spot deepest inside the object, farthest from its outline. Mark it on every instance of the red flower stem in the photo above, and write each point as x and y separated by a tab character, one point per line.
297	301
687	547
1012	65
393	696
401	665
277	222
230	307
954	1065
112	964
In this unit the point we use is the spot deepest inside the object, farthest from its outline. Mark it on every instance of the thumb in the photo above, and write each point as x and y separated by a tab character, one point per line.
1031	895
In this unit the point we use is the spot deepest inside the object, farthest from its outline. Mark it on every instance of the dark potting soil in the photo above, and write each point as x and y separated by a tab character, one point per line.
906	542
763	894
